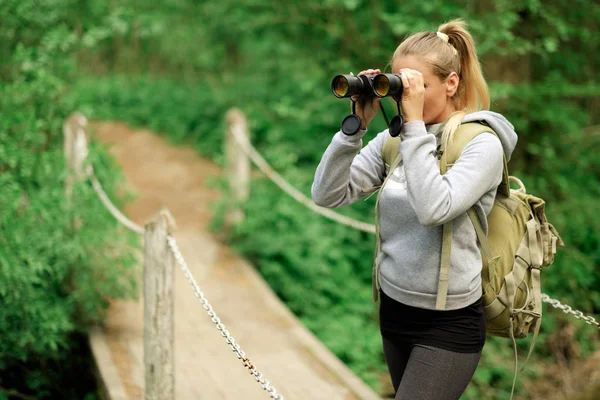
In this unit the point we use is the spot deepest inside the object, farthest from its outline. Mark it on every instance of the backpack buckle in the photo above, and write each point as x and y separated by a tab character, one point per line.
439	152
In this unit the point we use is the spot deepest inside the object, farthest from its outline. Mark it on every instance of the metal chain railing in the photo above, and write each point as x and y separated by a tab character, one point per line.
569	310
266	385
266	169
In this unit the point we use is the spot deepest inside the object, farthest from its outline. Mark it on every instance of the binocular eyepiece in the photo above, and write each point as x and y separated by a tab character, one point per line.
380	85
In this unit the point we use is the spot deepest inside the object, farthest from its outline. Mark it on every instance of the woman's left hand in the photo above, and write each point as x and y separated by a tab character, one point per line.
413	94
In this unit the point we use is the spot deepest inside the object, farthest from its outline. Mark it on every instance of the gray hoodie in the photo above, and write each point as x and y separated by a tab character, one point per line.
417	200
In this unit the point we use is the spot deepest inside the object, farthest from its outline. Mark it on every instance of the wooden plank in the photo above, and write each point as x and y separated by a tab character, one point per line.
111	386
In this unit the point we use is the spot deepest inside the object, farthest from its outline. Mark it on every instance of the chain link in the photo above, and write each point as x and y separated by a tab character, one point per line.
266	385
569	310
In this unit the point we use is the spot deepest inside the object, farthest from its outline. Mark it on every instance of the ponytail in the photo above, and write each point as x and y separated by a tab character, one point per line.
472	93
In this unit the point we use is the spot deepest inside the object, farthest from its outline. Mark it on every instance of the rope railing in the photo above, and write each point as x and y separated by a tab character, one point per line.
241	138
119	216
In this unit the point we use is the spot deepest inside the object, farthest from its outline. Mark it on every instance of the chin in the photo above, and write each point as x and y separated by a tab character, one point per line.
429	119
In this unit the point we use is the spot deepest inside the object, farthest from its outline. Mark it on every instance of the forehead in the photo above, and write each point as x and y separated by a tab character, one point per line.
411	62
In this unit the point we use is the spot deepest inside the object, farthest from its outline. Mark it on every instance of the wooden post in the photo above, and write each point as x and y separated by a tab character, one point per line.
75	147
237	168
159	264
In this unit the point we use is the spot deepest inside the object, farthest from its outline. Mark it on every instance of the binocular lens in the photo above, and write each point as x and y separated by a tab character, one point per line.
340	86
348	85
387	85
381	85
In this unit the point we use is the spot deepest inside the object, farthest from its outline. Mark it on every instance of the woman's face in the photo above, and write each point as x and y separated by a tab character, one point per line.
438	105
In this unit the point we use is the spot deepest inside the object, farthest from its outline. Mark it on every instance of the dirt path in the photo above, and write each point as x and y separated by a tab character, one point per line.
297	364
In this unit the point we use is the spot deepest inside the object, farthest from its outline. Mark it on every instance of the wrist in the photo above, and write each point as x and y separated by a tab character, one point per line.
363	124
409	118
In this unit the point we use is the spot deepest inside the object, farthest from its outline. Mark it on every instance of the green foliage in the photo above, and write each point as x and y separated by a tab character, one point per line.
275	61
59	264
190	116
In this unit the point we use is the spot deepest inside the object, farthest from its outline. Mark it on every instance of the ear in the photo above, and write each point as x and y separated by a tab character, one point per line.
452	84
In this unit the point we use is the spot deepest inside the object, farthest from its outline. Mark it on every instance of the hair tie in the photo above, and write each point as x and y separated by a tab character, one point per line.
446	39
442	36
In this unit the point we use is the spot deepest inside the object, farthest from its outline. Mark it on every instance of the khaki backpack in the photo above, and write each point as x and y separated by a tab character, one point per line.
519	243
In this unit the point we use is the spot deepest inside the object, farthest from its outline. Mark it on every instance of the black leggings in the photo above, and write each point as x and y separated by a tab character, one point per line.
421	372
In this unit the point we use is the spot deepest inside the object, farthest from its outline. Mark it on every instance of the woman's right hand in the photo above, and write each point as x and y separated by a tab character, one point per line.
366	108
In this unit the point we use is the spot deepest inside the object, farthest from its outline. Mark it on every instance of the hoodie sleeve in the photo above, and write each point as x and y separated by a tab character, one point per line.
344	175
438	198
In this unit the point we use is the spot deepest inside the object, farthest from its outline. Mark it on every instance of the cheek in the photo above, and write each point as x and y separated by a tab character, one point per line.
430	102
433	100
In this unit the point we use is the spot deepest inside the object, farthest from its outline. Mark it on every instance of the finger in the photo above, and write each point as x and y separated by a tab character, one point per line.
370	72
414	77
407	73
418	81
405	83
352	73
413	80
418	77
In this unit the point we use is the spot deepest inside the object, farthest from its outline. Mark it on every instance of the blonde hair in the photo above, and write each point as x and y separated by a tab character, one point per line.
452	49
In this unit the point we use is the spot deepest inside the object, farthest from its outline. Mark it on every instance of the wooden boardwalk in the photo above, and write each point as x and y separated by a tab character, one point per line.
288	355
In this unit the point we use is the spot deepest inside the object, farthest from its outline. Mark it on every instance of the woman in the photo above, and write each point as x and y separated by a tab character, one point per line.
431	354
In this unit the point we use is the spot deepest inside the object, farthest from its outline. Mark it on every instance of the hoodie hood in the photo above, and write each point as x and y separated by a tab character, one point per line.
504	129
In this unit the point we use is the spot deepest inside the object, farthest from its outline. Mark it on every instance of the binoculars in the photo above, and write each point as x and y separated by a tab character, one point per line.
380	85
368	86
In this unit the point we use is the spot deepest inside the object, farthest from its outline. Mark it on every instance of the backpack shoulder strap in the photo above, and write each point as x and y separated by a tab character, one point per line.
392	150
463	135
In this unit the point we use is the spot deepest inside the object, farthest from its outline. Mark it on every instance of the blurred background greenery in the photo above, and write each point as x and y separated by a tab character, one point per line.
177	66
